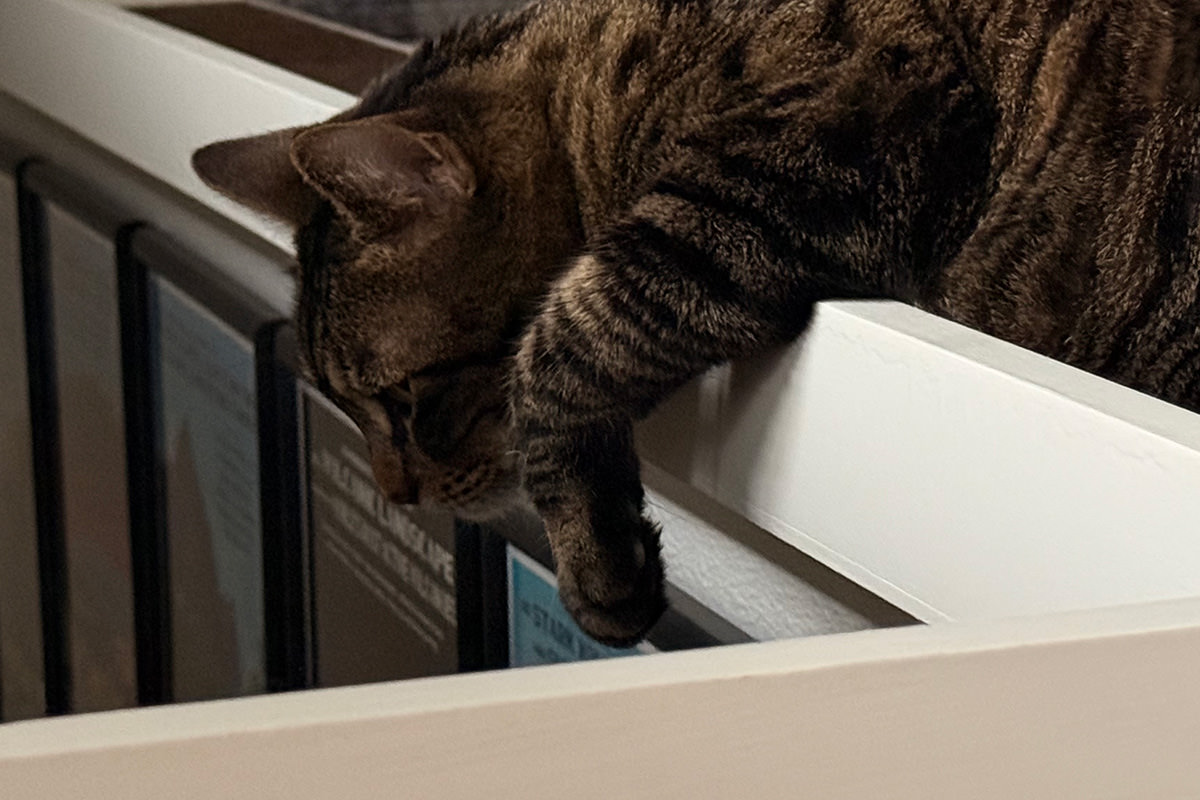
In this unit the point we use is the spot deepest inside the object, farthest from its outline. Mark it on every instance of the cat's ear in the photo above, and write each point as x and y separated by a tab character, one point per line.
376	171
257	172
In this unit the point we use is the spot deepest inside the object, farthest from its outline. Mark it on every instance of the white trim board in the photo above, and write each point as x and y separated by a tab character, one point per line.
952	474
1098	704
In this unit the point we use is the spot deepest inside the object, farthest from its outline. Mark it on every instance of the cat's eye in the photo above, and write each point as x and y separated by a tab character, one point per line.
397	404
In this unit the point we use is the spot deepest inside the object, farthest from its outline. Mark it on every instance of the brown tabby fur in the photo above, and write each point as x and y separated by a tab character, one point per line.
624	192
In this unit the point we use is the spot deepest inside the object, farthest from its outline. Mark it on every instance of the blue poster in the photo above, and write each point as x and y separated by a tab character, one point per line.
540	630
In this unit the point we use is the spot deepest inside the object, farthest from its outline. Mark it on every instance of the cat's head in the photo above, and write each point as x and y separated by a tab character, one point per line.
422	249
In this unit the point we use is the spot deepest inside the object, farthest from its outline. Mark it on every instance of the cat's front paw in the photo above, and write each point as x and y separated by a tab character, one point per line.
611	584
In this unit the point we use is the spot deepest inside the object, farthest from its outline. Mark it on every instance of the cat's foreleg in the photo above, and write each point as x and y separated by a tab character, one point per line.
675	288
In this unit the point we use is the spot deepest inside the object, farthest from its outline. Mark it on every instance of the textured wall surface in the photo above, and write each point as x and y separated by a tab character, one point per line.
766	596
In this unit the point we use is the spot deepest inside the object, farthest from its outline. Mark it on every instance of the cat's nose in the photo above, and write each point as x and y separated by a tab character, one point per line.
394	481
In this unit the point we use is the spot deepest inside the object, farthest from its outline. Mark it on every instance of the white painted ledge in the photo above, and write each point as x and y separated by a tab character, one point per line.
1099	704
952	474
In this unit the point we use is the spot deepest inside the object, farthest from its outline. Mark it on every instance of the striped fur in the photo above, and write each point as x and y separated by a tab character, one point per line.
658	186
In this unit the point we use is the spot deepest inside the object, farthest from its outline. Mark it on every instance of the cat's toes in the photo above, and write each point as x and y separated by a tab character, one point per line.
616	595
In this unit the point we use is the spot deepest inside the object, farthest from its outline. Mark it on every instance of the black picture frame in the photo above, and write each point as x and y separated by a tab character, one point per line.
22	660
223	308
40	186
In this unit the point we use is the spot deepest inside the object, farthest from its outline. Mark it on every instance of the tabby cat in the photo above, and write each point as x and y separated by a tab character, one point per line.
546	221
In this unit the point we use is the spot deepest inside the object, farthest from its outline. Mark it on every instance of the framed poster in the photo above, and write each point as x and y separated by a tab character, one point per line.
77	400
540	630
22	678
204	401
394	588
526	624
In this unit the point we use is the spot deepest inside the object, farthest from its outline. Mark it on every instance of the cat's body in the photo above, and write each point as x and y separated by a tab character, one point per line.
630	191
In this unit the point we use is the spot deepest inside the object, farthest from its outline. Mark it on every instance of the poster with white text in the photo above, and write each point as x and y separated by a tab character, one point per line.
385	592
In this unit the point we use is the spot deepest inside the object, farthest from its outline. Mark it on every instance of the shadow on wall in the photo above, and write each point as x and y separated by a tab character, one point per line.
400	19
